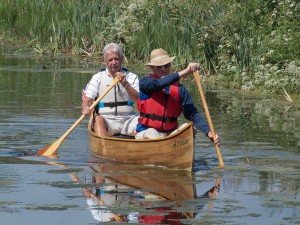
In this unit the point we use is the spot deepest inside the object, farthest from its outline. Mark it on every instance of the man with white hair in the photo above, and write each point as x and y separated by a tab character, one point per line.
115	112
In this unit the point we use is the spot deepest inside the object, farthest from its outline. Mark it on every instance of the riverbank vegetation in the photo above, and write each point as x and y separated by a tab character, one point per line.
254	44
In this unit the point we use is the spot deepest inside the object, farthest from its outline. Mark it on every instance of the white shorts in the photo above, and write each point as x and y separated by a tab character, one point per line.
122	125
151	133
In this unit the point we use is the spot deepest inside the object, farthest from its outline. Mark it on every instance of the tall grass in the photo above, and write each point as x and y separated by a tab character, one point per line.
254	43
57	26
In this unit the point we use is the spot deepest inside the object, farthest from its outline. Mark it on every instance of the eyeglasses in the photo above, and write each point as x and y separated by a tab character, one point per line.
165	66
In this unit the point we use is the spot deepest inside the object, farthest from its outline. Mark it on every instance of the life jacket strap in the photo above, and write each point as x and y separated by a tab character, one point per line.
115	104
159	118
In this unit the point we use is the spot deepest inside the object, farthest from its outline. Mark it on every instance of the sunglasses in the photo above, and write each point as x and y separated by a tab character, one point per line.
165	66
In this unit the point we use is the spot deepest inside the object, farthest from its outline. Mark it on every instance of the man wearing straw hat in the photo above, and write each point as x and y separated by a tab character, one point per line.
162	99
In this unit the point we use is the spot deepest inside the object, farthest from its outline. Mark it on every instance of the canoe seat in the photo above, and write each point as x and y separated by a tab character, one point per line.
123	136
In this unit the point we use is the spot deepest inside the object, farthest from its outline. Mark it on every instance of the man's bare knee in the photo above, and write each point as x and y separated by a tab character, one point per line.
100	126
100	120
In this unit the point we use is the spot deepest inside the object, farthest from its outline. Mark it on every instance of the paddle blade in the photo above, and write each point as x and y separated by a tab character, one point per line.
48	151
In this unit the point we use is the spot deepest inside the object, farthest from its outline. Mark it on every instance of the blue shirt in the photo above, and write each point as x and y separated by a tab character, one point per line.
148	85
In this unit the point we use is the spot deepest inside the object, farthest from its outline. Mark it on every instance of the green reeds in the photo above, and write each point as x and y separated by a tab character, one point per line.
57	26
232	38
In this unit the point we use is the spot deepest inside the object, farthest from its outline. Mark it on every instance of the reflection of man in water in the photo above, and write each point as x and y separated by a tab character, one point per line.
104	199
99	213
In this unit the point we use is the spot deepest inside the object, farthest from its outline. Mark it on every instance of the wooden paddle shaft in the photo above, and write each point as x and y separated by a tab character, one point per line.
95	103
197	78
52	149
115	81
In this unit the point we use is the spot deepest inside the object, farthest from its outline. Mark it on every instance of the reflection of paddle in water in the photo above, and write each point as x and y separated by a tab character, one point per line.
213	192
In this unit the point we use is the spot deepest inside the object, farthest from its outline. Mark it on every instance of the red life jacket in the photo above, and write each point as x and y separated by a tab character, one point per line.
161	110
172	218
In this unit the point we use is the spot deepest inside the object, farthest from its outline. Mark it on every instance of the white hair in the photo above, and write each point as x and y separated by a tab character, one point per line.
112	47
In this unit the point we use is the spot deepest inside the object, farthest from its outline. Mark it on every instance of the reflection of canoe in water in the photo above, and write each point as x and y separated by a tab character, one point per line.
155	195
168	184
173	151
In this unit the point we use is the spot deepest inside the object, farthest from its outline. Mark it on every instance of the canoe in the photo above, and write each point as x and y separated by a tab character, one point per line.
173	151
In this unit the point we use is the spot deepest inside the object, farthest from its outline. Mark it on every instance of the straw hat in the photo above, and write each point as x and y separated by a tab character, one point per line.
159	57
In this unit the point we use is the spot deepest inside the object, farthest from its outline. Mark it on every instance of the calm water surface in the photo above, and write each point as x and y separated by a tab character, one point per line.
40	100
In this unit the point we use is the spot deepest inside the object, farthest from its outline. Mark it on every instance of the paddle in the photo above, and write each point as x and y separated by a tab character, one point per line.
197	78
52	149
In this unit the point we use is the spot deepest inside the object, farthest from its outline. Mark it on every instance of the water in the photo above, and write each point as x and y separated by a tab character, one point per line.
40	100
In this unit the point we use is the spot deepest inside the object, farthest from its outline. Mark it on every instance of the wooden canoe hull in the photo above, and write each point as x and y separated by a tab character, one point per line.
173	151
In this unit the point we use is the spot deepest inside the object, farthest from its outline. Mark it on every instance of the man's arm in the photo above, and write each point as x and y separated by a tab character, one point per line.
132	88
149	84
131	84
133	94
190	112
85	105
90	93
